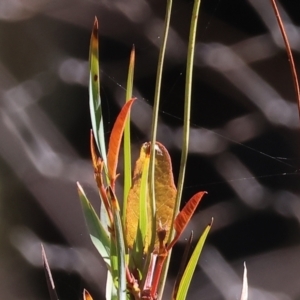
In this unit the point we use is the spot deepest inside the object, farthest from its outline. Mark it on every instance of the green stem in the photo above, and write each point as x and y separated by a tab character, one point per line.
186	125
155	119
154	127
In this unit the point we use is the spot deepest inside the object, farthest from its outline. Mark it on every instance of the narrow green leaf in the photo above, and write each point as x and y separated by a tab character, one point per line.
97	233
187	102
140	240
190	268
183	264
187	114
114	263
143	217
94	93
127	140
120	246
110	289
157	93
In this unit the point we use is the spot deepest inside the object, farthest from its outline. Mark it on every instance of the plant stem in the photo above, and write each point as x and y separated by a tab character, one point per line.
186	126
289	53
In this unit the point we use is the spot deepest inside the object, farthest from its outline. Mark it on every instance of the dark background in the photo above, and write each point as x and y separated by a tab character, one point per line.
244	138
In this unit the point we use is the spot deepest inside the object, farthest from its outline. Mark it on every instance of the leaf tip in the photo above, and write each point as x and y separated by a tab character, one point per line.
132	54
95	27
87	295
79	188
244	295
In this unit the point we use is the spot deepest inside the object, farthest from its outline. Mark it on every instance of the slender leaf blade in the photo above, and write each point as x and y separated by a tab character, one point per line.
97	232
185	215
244	295
49	279
115	141
114	267
105	213
120	247
186	123
94	93
183	264
110	290
136	259
127	139
191	266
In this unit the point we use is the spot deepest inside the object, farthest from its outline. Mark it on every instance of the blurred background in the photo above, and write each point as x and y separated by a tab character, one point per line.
244	147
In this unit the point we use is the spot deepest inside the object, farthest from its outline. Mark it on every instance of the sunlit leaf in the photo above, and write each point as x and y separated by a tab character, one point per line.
139	244
120	246
183	264
97	233
127	140
165	193
98	164
86	295
115	141
49	279
114	266
110	289
191	266
94	93
185	215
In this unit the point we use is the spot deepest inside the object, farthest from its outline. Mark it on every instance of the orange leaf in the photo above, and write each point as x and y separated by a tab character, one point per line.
185	215
115	142
86	295
165	194
93	152
98	170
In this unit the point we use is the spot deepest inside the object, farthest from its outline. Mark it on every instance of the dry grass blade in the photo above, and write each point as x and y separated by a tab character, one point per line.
49	279
244	295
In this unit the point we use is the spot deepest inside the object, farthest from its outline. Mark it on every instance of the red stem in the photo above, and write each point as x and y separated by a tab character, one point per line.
289	53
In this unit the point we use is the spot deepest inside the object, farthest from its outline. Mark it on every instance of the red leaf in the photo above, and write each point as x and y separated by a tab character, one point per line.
115	141
185	215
